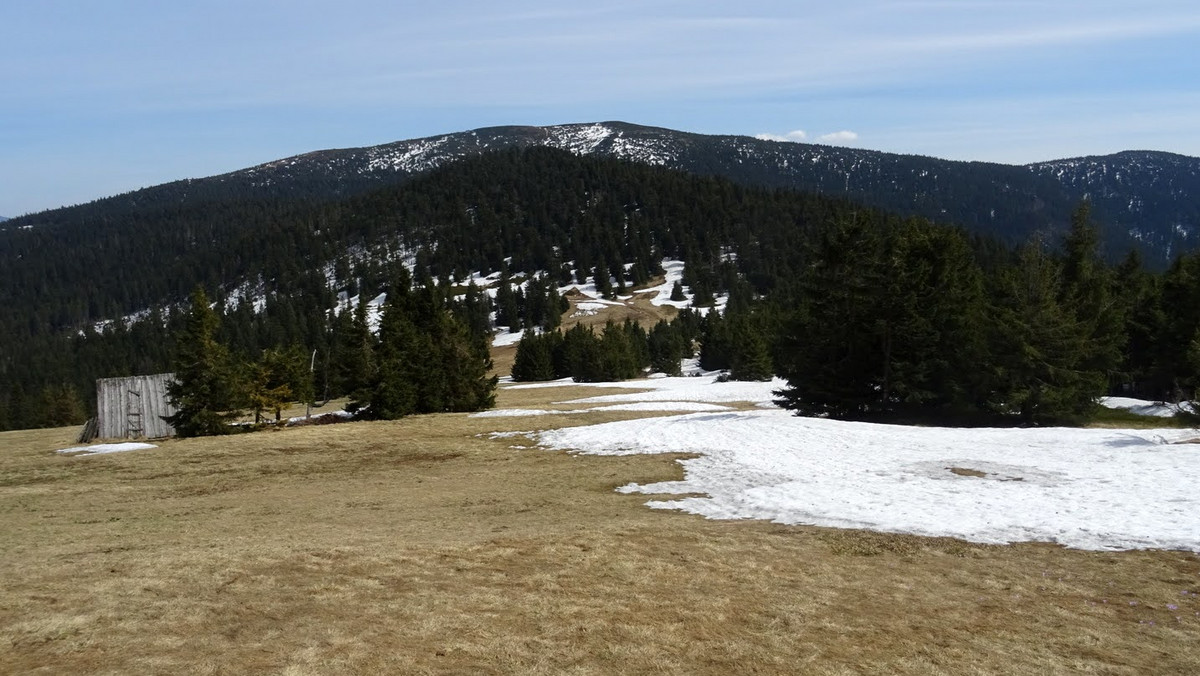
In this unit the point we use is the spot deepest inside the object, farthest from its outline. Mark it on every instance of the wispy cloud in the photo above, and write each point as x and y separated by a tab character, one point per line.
1017	37
838	137
969	79
797	136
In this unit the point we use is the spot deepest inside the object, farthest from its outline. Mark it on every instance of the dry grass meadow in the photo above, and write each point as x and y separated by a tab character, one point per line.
425	546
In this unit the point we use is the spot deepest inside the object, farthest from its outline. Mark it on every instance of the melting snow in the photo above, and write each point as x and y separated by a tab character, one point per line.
640	406
1156	409
98	449
1096	489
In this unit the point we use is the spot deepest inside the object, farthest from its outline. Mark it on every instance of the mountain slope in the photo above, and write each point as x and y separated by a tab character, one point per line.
1152	197
1142	199
521	210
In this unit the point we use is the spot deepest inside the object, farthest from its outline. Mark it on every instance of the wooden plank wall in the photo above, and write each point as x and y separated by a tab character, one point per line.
112	405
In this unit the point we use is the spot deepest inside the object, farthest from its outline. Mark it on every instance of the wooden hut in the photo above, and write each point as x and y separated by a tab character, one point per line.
133	408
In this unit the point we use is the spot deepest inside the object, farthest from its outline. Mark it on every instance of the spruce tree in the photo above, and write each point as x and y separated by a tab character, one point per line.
666	347
1038	345
203	392
60	406
534	360
1191	408
467	363
358	367
555	306
750	357
392	392
1180	289
1143	362
264	393
508	312
279	377
581	354
427	364
890	320
476	312
1088	289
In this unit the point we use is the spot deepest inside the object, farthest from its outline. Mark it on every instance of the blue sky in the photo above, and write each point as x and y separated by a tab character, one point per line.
98	98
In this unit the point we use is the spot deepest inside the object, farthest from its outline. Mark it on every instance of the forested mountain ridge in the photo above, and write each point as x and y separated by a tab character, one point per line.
925	316
526	210
1153	197
537	207
1150	200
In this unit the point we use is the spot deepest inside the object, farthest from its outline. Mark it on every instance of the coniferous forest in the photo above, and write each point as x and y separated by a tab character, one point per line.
865	313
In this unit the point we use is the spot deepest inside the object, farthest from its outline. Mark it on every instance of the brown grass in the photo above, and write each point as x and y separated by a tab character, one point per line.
637	308
425	546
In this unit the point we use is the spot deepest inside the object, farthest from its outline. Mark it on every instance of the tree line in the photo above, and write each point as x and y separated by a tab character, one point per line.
424	358
906	319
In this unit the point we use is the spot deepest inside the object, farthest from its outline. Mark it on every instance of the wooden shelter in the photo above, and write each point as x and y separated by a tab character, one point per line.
133	408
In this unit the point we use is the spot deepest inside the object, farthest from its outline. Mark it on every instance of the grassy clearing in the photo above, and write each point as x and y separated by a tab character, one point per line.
425	546
1120	418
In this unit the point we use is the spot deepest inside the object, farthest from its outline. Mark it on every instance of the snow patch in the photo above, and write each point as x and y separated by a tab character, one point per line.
1155	409
99	449
517	412
1082	488
706	388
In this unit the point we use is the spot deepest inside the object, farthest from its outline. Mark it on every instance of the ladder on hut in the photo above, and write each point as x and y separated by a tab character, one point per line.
134	429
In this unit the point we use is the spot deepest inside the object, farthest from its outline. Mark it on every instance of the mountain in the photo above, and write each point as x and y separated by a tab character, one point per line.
1152	197
92	291
98	296
1147	200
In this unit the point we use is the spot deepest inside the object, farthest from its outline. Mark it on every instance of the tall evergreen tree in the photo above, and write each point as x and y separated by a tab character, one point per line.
467	363
508	312
1038	348
534	359
356	357
281	376
204	392
1087	288
751	353
891	321
831	361
1143	360
666	346
60	406
393	389
476	312
1180	289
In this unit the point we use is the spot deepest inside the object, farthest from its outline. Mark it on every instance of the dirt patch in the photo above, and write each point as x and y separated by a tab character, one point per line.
966	471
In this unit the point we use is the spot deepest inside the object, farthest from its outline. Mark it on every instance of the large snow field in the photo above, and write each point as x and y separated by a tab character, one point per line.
1083	488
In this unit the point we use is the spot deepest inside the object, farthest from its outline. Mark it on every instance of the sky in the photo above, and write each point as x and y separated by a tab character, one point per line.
100	98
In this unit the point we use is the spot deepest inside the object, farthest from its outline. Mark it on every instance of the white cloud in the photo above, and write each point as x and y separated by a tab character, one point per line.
797	136
838	137
800	136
